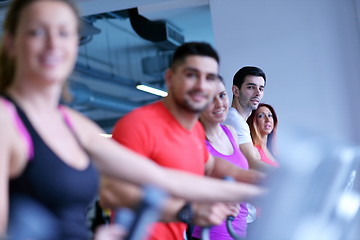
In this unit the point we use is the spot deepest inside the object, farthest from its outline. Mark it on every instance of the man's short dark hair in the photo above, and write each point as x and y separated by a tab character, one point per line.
240	75
193	49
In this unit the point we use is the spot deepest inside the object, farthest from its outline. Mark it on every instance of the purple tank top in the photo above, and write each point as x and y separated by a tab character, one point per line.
237	157
239	224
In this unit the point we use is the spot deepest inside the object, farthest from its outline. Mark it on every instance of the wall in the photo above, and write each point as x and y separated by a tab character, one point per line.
310	51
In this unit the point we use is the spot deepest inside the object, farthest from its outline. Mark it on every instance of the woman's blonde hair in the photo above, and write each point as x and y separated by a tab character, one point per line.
7	63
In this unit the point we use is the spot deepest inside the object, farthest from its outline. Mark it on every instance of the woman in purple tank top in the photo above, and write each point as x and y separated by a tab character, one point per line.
221	142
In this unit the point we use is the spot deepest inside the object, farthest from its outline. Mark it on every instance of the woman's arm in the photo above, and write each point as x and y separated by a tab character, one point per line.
4	179
251	153
5	141
13	158
119	162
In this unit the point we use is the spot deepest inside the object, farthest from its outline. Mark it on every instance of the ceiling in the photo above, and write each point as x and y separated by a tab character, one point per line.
114	58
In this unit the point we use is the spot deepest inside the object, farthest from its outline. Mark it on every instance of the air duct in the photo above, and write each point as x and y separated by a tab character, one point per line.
163	34
117	81
87	31
155	66
83	95
104	76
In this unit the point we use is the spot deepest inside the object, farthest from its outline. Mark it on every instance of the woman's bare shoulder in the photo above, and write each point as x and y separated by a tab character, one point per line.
232	130
6	119
84	127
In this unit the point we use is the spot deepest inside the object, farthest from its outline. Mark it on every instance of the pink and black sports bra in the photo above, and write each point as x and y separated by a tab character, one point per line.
64	191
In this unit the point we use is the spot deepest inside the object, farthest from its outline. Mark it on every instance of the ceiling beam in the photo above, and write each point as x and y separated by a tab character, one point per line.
90	7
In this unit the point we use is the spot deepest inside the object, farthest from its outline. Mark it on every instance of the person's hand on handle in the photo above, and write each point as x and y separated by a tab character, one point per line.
234	209
209	214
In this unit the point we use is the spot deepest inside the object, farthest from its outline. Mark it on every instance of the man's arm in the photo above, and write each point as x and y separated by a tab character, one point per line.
115	194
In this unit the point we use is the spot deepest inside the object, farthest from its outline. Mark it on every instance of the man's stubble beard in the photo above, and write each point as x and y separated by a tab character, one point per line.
187	106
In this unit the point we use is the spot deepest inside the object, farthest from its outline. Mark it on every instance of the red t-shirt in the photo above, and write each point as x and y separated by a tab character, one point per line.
153	132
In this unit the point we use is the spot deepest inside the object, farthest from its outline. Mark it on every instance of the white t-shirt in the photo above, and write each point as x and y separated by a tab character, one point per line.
235	120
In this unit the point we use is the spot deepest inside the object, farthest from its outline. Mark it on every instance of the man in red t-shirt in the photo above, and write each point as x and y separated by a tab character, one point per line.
155	133
169	133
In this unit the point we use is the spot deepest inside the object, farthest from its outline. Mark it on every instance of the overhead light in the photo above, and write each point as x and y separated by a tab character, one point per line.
348	205
106	135
152	90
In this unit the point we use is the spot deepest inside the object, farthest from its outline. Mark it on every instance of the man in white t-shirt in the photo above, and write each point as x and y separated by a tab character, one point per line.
248	89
